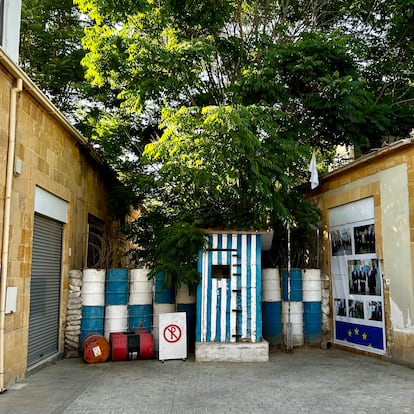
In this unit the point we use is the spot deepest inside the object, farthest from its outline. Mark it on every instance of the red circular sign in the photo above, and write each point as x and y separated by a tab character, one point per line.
172	333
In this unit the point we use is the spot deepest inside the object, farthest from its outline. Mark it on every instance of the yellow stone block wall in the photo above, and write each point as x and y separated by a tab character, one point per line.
53	160
376	176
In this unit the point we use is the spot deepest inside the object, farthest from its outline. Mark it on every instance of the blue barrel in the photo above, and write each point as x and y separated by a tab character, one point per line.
140	317
312	322
116	287
295	285
92	321
272	322
163	292
190	310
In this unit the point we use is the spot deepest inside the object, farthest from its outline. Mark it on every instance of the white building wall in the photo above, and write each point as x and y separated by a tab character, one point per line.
10	36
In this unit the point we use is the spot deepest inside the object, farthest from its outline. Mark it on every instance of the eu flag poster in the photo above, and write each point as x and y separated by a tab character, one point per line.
363	335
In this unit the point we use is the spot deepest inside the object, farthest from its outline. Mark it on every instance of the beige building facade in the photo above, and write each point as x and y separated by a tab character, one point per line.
53	218
368	228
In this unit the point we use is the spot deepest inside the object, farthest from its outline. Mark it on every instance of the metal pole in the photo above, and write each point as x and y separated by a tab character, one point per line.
289	345
6	224
317	247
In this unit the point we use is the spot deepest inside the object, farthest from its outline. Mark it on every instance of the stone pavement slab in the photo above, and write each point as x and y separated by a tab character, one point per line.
307	380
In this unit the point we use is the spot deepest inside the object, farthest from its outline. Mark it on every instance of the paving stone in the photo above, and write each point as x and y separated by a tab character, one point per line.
307	380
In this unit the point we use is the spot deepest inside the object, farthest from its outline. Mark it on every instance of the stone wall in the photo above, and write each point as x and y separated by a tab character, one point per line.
54	157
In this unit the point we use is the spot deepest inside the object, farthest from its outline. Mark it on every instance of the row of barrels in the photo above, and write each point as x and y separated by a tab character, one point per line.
122	300
122	346
295	298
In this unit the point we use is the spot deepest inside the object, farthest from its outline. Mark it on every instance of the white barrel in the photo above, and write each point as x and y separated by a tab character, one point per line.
93	275
296	319
158	309
185	295
311	285
93	287
140	288
116	319
271	285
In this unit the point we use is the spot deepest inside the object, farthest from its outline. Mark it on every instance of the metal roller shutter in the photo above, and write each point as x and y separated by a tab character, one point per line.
45	289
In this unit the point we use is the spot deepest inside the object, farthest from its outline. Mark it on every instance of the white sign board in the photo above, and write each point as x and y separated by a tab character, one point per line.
172	336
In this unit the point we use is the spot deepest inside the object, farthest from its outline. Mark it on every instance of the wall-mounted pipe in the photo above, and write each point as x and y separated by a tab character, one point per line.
6	220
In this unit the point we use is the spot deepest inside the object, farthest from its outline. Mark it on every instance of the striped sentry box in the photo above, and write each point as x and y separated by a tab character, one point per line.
229	294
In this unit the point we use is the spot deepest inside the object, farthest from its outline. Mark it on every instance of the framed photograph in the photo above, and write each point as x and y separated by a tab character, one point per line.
340	307
356	309
364	237
375	310
364	277
341	242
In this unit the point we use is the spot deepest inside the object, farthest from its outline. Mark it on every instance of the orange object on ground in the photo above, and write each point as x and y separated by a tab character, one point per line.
95	349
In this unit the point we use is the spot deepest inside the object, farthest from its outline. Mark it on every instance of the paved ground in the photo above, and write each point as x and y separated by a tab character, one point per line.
304	381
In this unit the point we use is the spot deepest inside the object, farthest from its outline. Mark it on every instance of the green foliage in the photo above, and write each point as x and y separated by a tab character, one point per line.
238	94
169	246
329	68
227	161
176	254
51	50
210	109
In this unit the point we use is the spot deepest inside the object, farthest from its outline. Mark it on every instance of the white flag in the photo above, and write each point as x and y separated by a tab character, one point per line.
314	179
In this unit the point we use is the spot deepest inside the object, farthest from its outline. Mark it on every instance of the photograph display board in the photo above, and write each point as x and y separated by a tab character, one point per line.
356	278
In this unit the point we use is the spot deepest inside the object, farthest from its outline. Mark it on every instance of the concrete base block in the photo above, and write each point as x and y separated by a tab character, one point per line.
232	352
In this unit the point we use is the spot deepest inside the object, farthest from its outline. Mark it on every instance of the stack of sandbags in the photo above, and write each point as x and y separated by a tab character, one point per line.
74	314
326	316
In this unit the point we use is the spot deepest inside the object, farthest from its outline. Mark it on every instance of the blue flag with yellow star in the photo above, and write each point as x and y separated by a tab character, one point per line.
370	336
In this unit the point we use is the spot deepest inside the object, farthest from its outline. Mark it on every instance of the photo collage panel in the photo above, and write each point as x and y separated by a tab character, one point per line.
363	274
359	320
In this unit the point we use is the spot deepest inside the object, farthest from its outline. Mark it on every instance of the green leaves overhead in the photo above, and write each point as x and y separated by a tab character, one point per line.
291	56
235	95
51	50
227	154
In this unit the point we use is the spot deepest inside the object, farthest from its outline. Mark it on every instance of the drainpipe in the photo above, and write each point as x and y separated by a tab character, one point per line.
6	221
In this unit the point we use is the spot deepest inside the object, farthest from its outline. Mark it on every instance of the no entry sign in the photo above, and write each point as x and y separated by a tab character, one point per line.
172	333
172	336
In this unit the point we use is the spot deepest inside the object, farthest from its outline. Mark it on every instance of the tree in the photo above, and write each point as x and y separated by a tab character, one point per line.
234	95
51	50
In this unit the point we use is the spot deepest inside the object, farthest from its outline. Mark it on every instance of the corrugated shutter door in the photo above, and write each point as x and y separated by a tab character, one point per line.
45	289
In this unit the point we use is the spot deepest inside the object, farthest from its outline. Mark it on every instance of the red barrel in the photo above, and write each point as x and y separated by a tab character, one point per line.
113	334
95	349
119	346
146	344
127	346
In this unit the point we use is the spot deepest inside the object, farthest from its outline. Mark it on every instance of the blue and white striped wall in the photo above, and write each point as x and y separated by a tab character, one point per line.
229	308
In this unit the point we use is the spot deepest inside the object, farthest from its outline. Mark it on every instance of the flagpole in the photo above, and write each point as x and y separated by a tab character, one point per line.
289	346
314	181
